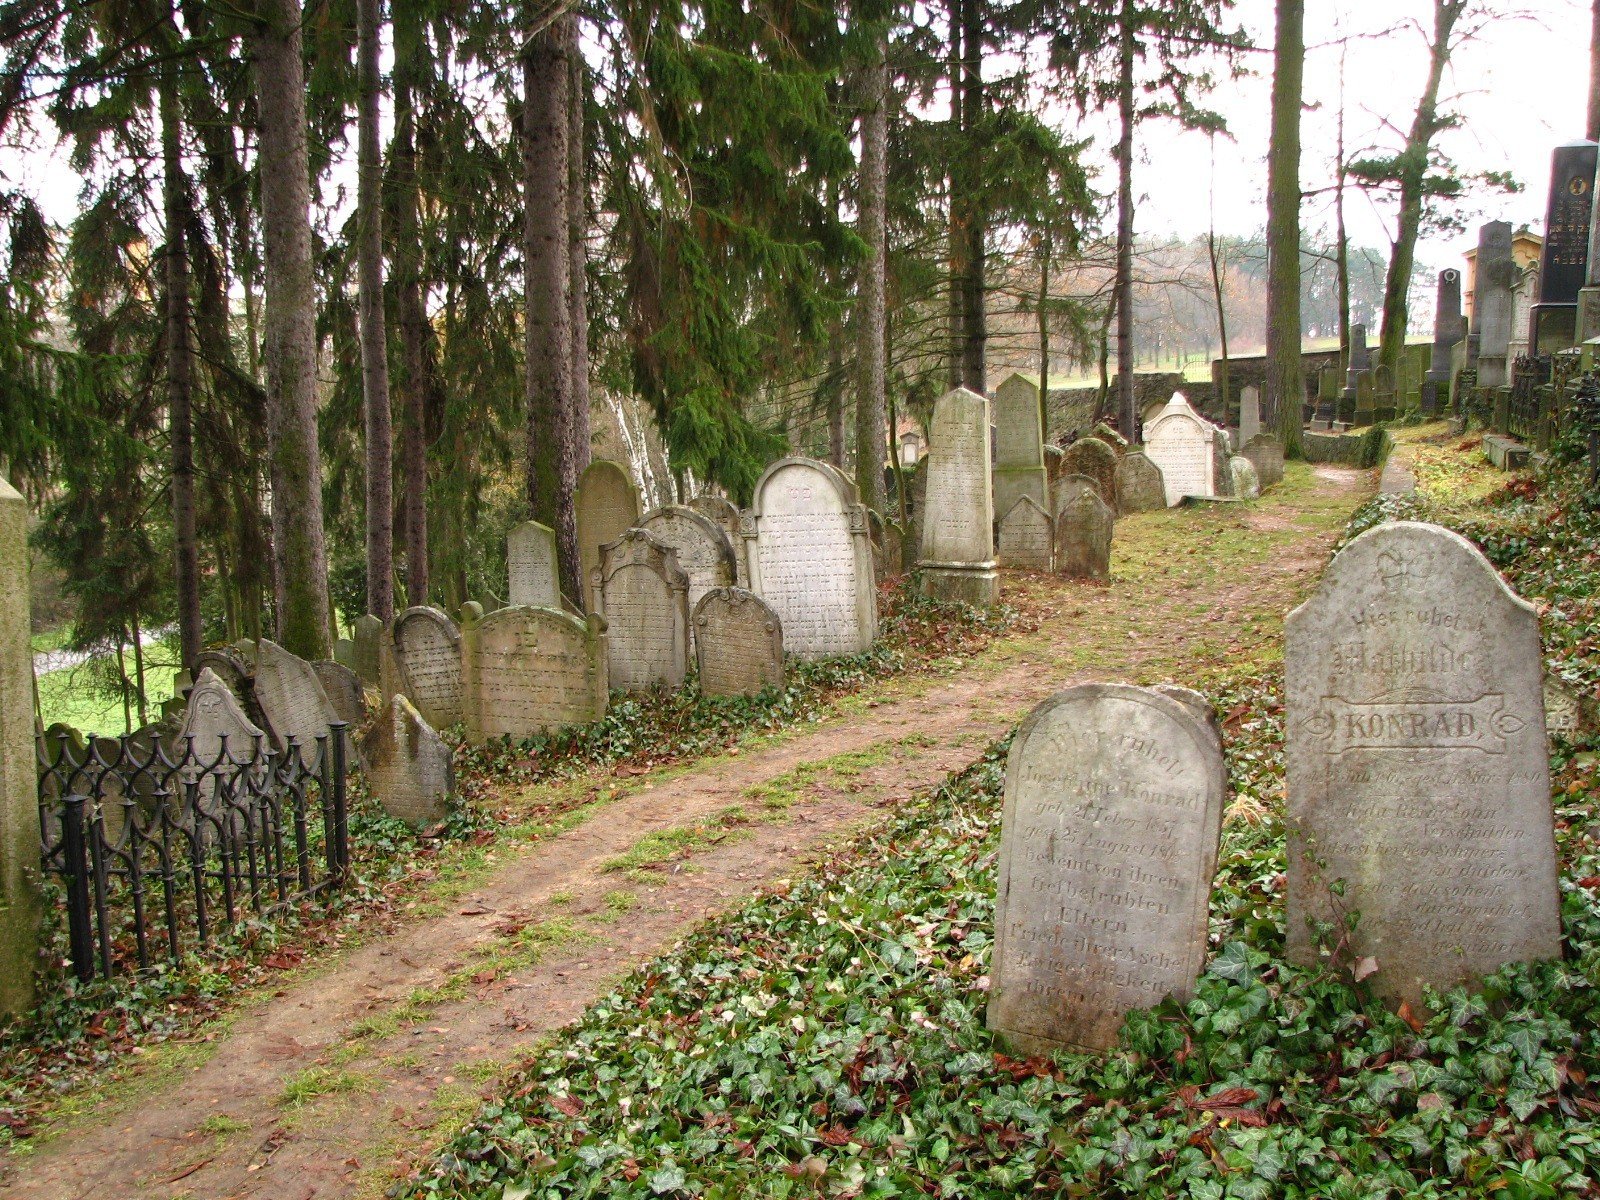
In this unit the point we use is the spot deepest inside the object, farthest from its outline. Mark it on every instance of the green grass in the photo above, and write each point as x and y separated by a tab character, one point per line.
313	1083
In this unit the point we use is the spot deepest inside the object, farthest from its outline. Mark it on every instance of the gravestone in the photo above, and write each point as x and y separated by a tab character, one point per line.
1068	488
1249	413
1494	277
1095	461
1019	468
1222	451
725	514
427	660
291	698
1265	453
344	651
345	695
408	765
237	674
1026	536
1109	835
531	567
1418	772
526	671
1563	708
1103	432
957	551
367	650
705	553
1328	390
738	643
1244	483
607	505
20	903
810	557
1139	484
894	548
215	726
644	596
1180	442
1083	538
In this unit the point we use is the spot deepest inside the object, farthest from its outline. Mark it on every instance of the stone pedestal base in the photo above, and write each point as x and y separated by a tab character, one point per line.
977	584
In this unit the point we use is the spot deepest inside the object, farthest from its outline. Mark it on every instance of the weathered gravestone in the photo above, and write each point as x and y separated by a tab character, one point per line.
644	596
1019	468
1243	482
956	557
1026	536
19	800
1068	488
1083	538
1222	472
1494	280
408	765
216	743
1113	809
529	670
290	696
367	650
705	552
427	659
1105	433
1180	442
345	695
1418	776
894	548
1095	461
738	643
1249	413
1265	453
1139	485
531	569
725	514
810	557
237	675
607	505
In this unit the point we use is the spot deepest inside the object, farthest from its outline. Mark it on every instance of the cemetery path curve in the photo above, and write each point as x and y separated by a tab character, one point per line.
343	1078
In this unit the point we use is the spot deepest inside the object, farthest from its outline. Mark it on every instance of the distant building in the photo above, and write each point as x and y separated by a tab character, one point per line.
1526	246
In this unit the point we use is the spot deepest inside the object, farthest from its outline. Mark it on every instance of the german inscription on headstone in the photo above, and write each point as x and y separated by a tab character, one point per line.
427	653
529	670
738	643
1026	536
531	565
644	596
957	552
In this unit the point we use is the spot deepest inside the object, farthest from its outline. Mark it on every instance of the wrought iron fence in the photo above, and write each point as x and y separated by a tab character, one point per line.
157	847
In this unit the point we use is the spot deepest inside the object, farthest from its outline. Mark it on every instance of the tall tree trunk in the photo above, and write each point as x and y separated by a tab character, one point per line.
974	293
1413	169
1342	239
546	125
1592	123
1127	407
578	217
180	372
871	341
956	298
412	314
835	402
290	331
374	332
1285	376
1222	316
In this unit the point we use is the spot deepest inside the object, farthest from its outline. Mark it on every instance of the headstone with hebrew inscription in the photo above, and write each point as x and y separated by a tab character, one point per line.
726	514
408	765
290	696
1139	485
644	596
1180	442
738	643
1418	770
531	567
607	504
1096	461
526	671
427	661
1083	530
705	552
956	557
809	554
1026	536
1019	468
1109	834
345	694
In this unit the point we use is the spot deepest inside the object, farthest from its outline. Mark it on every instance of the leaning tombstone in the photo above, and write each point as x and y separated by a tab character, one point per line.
1180	442
810	557
1418	770
1243	482
1019	468
237	675
956	557
19	799
1109	834
526	671
1139	485
1265	453
644	597
704	551
1095	461
531	571
367	650
292	699
607	504
1083	529
426	646
345	694
1026	536
408	765
738	643
726	514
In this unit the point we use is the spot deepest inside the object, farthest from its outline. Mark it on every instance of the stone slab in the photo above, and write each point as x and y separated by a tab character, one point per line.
606	505
1027	534
705	552
408	765
1083	528
1180	442
738	643
426	645
644	596
1139	485
531	569
526	671
957	553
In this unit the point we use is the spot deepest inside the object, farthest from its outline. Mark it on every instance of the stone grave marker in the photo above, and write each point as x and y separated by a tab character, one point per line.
528	670
644	596
1180	442
956	557
216	739
408	765
427	659
894	548
1244	483
1083	538
531	567
1105	433
1222	477
607	504
344	651
1019	468
237	675
291	697
725	514
1095	461
1026	536
367	650
705	553
20	903
810	557
1418	770
1249	413
1139	485
1563	708
1265	453
1109	835
345	695
1069	487
738	643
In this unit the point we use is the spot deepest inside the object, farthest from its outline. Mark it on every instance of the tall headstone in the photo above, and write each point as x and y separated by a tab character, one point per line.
291	697
738	643
1027	534
427	657
346	697
644	596
1094	460
726	514
1494	277
1565	252
408	765
1109	836
705	552
526	671
1249	413
607	504
531	567
19	799
1139	484
1265	453
1449	327
1589	295
1019	468
1418	771
1083	529
810	556
1179	441
957	552
367	650
1357	369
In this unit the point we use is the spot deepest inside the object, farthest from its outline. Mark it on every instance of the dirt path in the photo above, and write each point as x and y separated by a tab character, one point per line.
338	1082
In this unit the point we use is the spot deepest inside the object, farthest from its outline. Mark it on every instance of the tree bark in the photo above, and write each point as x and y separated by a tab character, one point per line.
575	445
956	299
374	332
289	327
1127	406
871	342
411	312
1222	316
1285	375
